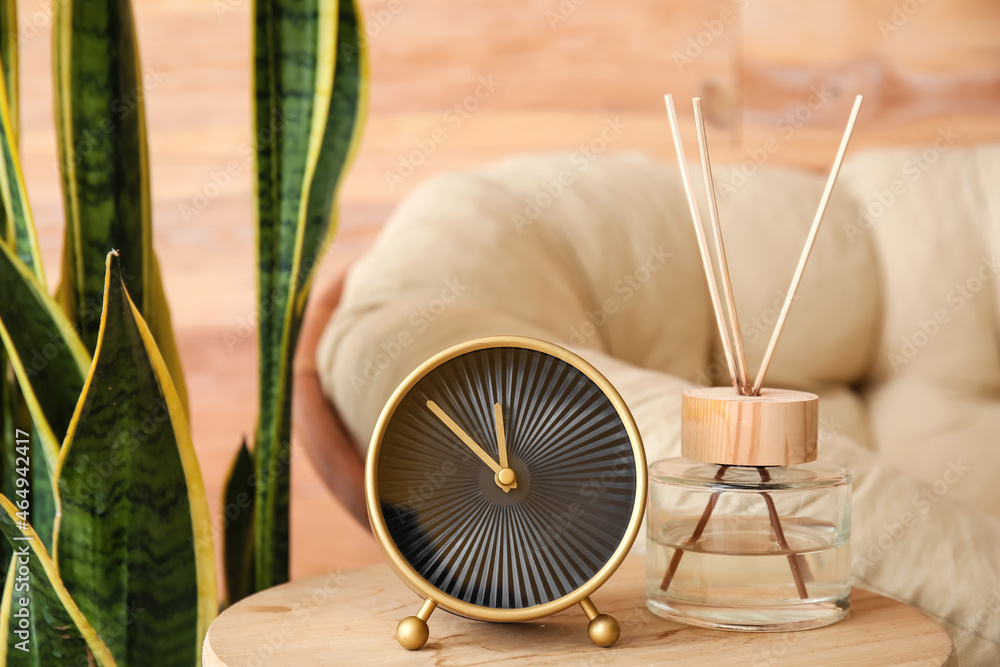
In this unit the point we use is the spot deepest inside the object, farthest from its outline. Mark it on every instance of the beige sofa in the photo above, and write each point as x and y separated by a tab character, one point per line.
895	326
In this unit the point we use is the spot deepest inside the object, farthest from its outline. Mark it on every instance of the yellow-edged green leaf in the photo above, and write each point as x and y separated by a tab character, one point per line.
50	365
49	360
160	324
316	101
7	428
18	225
104	166
44	505
237	546
134	535
102	152
53	627
9	72
9	33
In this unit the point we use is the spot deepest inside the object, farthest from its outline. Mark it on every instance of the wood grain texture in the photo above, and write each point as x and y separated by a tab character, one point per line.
779	427
351	617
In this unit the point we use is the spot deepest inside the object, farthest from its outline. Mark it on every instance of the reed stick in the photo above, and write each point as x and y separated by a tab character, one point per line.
810	241
675	559
699	231
795	562
798	566
743	374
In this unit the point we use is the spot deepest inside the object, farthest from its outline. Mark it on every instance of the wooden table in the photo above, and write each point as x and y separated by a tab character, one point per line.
350	618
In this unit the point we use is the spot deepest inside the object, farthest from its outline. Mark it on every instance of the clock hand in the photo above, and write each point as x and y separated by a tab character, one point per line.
468	442
503	477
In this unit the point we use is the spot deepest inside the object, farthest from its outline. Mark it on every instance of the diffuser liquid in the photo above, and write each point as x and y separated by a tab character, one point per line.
738	576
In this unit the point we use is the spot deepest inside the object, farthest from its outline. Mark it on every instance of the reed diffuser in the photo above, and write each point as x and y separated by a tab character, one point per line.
747	531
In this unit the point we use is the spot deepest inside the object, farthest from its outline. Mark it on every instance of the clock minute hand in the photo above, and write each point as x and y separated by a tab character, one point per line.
501	438
463	436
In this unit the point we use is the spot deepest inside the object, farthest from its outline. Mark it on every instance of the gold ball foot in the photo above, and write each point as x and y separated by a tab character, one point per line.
412	633
604	630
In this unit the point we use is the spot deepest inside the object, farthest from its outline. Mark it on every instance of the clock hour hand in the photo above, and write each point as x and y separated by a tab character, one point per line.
470	443
502	445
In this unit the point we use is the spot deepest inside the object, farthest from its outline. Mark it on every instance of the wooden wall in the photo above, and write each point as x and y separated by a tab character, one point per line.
558	70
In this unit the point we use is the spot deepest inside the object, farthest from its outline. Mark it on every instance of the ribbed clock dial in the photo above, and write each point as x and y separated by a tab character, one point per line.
570	454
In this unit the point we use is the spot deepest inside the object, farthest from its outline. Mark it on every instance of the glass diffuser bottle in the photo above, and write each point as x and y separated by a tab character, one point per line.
747	531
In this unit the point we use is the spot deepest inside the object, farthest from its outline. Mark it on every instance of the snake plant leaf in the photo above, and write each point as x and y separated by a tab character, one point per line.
134	537
55	632
44	504
310	104
9	30
50	365
49	360
9	59
102	151
8	427
161	325
104	167
237	508
18	225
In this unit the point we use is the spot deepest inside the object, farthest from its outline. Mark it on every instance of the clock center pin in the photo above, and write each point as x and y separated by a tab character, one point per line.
506	476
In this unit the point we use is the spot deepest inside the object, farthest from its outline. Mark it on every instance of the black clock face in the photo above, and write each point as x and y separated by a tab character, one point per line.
461	524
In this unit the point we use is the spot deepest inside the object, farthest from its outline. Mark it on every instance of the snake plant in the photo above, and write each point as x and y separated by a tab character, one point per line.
310	84
109	556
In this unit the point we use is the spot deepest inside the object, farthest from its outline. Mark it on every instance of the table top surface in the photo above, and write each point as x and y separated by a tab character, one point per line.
350	618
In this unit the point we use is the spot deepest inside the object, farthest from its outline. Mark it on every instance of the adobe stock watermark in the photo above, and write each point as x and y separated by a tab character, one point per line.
246	326
223	7
563	11
20	605
566	521
271	641
956	299
221	176
91	472
754	327
792	120
625	288
900	15
49	348
910	171
695	45
871	553
433	482
123	106
123	619
244	500
987	612
453	118
29	25
418	322
376	20
580	159
775	652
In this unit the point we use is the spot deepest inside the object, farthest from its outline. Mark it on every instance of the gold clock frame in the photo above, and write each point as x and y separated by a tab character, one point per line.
412	631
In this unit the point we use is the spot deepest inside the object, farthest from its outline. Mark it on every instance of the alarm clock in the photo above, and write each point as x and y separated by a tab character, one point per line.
505	481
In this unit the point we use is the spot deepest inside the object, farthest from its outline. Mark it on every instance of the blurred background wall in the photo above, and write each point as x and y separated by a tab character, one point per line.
459	83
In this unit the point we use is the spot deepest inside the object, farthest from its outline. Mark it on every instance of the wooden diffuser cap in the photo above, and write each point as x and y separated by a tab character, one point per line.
779	427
